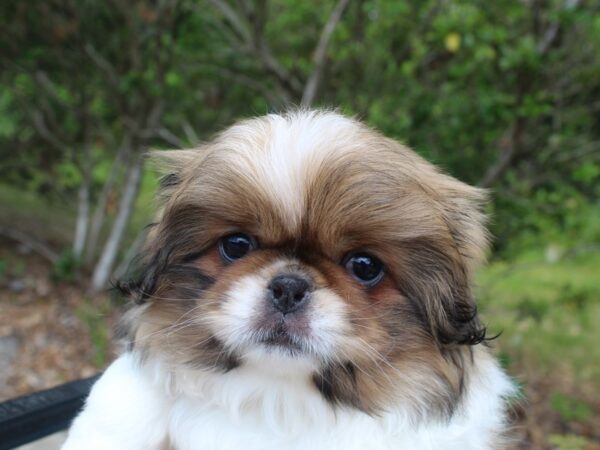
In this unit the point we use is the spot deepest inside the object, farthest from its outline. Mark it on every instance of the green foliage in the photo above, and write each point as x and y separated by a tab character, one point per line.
547	310
459	81
561	217
17	267
94	315
3	268
535	309
65	267
454	80
570	409
568	442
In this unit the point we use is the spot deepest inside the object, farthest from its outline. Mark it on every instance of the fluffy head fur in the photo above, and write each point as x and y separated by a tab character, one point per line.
311	188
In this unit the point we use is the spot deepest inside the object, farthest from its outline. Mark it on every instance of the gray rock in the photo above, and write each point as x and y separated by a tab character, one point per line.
8	348
17	285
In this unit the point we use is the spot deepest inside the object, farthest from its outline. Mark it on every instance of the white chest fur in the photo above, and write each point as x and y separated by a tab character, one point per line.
136	407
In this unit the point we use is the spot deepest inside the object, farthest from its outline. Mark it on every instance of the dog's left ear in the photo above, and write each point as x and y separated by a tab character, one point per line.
466	222
442	266
463	209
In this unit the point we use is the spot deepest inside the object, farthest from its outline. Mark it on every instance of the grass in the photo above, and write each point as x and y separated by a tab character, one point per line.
32	214
568	442
94	314
548	312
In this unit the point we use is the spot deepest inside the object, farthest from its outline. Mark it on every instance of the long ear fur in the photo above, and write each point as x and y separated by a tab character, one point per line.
172	164
150	264
442	267
172	161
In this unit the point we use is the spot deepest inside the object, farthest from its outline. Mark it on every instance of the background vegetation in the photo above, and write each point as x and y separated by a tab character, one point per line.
502	94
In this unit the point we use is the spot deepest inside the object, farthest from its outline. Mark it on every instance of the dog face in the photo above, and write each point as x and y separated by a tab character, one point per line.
310	242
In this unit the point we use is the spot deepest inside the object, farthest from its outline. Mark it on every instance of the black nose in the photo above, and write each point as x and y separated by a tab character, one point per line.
288	292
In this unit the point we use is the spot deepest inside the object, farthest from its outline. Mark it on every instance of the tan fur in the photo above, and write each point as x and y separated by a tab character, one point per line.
361	191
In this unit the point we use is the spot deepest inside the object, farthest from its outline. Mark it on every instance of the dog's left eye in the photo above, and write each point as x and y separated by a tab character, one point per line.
365	268
236	246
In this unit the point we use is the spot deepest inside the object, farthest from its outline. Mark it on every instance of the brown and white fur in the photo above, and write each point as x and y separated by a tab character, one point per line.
212	364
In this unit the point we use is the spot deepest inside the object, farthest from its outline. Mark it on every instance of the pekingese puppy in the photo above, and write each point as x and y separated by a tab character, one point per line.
306	286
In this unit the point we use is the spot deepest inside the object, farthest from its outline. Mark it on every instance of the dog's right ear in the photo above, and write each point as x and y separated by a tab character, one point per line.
142	276
172	164
147	267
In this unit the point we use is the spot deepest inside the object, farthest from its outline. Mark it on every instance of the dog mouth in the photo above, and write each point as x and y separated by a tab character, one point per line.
282	334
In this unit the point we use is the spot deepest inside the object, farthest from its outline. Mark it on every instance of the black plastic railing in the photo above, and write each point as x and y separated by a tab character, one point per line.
32	417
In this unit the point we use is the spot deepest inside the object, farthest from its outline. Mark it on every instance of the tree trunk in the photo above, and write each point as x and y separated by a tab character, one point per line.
103	269
131	253
100	211
83	218
83	201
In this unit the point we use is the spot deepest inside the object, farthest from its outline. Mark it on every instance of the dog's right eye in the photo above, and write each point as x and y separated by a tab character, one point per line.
235	246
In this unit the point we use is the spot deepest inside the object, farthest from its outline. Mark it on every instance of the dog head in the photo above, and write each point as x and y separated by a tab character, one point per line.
310	240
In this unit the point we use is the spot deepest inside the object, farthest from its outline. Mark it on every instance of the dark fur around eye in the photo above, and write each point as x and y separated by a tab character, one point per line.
147	273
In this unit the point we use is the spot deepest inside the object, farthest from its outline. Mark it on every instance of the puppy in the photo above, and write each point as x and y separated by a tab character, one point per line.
306	285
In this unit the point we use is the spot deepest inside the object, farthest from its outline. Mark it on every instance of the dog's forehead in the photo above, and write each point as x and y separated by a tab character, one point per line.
318	177
283	156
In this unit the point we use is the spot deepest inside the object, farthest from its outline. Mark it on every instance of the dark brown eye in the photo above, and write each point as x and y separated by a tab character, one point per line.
235	246
365	268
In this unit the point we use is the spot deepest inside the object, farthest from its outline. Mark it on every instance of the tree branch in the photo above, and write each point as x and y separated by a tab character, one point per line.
320	54
245	80
251	34
509	142
37	246
551	35
37	119
45	83
166	135
130	254
190	133
102	63
234	20
509	147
